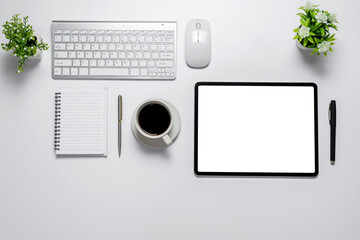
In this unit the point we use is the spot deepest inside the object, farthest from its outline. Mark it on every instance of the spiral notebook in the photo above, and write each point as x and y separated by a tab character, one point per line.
81	122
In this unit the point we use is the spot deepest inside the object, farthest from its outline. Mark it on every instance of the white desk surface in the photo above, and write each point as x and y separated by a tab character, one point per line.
150	194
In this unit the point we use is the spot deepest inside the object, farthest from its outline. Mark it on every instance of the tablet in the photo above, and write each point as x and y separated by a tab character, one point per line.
256	129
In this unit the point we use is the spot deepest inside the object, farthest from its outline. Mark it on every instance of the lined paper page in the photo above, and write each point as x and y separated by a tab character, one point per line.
82	122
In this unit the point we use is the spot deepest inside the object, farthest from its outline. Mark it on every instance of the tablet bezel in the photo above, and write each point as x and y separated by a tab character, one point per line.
286	84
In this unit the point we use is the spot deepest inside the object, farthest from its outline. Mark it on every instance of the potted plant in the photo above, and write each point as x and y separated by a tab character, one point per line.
22	40
314	32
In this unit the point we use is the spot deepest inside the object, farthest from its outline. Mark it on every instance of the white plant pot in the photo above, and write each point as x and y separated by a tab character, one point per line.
299	45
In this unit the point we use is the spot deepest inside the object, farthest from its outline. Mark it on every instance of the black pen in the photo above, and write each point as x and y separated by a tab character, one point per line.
332	122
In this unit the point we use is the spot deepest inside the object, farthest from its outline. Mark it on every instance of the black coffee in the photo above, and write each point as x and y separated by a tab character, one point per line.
154	119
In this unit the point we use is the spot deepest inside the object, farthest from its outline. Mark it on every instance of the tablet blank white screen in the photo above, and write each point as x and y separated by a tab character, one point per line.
267	129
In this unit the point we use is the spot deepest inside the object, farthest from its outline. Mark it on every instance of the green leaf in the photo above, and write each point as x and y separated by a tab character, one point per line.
325	54
302	22
307	23
296	30
296	37
310	39
322	31
305	42
317	41
331	50
311	34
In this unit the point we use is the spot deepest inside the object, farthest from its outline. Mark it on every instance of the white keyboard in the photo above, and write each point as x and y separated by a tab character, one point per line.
113	50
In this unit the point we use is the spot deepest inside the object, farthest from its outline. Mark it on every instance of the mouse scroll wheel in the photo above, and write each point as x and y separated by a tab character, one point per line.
198	26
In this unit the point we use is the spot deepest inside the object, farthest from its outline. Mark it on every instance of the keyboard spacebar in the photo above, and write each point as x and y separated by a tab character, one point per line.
109	71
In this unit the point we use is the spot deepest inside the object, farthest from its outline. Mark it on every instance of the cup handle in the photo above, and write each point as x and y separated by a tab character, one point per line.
167	140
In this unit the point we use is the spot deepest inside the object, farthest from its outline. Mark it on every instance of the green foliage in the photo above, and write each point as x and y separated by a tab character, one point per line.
316	26
21	40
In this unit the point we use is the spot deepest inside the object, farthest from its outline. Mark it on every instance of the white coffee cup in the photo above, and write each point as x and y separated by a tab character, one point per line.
156	122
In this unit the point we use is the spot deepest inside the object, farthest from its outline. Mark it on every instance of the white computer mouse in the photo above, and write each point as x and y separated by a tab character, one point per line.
198	43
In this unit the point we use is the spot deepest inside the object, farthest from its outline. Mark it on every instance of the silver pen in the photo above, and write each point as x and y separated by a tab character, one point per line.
119	122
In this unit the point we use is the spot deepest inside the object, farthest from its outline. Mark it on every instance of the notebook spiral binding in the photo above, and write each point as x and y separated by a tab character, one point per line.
57	121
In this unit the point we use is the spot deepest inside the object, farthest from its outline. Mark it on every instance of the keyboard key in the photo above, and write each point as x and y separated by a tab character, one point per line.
97	55
170	47
75	32
66	71
134	72
101	63
86	47
74	71
111	47
66	38
161	74
105	55
128	47
109	63
83	71
157	39
132	39
92	63
58	38
145	47
130	55
95	47
143	64
168	39
126	63
91	38
66	32
124	39
122	55
74	38
162	47
60	54
155	55
57	71
170	74
103	47
116	39
80	55
70	46
78	46
117	63
167	55
59	46
62	63
164	63
171	32
84	63
82	38
134	63
120	47
76	63
113	55
136	47
88	55
99	38
109	71
72	54
57	31
108	39
138	55
143	72
83	32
